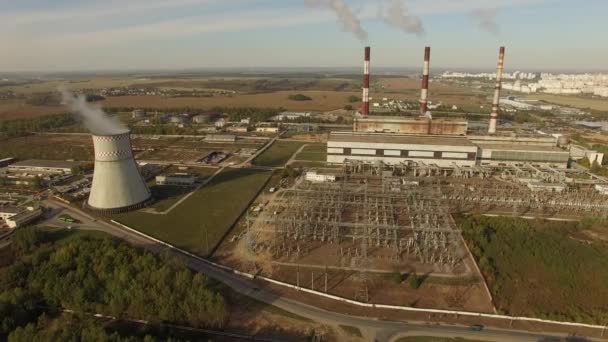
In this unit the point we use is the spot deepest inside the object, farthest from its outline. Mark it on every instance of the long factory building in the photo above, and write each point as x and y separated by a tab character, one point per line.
443	151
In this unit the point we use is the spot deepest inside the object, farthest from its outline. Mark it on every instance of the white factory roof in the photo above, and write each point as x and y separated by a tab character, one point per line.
515	147
399	139
61	164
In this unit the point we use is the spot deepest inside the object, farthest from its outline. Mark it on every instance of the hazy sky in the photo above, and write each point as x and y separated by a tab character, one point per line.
65	35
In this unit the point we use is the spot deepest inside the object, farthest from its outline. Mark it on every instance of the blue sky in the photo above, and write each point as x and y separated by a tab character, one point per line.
65	35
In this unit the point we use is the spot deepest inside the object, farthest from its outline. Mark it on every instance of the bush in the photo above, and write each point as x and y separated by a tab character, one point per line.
353	98
415	280
299	97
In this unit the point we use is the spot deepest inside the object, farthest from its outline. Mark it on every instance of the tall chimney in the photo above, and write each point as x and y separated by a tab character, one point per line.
495	101
425	80
365	109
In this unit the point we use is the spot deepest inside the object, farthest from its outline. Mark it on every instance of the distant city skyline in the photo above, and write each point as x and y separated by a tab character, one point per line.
71	35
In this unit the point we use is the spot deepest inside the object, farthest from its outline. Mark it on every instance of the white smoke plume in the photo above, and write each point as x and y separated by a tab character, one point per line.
397	15
93	117
485	18
345	15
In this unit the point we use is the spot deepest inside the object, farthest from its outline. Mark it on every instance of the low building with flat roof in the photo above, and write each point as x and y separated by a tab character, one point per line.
394	149
43	166
181	179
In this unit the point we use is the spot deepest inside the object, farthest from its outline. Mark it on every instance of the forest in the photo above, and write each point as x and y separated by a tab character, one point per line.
88	273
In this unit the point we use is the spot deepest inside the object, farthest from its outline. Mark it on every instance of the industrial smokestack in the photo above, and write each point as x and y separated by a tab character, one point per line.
425	80
495	101
365	98
117	185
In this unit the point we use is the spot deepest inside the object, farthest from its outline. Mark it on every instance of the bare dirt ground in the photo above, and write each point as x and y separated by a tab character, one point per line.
273	323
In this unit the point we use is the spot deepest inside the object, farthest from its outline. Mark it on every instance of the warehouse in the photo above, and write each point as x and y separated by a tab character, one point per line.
394	149
180	179
43	166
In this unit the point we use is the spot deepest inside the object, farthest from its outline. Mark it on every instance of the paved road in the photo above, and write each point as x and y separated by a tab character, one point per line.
372	329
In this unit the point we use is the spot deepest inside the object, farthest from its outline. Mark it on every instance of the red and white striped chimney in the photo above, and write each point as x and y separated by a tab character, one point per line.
425	80
495	101
365	98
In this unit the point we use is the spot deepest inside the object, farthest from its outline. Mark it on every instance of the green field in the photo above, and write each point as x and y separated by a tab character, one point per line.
435	339
313	152
278	154
206	215
56	147
167	195
573	101
555	270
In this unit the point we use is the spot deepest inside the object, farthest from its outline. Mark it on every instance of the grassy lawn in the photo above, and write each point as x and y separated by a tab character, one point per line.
573	101
48	147
313	164
554	270
435	339
278	154
312	156
313	152
167	195
207	214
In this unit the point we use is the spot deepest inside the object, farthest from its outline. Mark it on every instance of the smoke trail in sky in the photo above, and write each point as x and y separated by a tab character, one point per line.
485	18
345	15
397	15
94	118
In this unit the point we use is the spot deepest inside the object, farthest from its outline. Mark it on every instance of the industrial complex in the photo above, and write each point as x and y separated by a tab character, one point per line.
440	142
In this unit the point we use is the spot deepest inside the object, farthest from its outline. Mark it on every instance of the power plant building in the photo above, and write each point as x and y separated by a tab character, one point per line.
441	142
117	184
395	149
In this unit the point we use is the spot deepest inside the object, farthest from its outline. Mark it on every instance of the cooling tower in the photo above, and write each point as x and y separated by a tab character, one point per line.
117	184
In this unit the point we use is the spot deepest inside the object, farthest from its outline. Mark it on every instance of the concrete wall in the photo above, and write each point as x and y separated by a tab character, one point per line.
410	126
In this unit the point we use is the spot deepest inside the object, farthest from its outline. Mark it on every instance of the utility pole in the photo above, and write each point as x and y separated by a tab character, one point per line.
206	240
298	277
312	280
325	278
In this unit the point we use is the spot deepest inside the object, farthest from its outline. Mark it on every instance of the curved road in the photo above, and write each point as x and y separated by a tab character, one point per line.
373	329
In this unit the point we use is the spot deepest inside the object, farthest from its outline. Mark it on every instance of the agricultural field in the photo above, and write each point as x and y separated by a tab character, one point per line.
572	101
18	109
313	152
204	217
55	147
321	101
278	154
555	270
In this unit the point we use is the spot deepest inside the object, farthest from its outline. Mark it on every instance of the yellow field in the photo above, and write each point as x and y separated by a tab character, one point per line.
573	101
